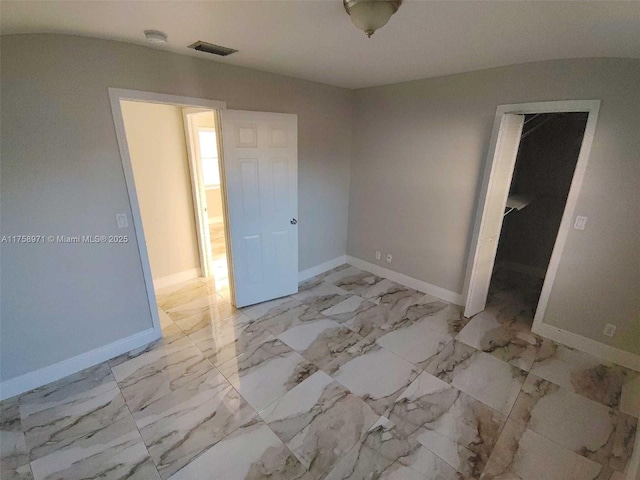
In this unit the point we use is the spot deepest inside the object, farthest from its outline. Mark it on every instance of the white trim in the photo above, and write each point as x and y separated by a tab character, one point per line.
180	277
505	143
116	95
323	267
592	107
198	192
218	219
444	294
587	345
28	381
153	97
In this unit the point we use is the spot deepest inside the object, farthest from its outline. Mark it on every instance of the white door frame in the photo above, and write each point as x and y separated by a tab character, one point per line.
197	188
591	107
116	95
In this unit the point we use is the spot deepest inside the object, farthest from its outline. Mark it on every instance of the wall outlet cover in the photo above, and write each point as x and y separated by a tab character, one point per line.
609	330
580	223
121	219
389	257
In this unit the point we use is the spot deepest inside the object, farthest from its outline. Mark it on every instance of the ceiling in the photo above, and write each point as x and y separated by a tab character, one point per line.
315	40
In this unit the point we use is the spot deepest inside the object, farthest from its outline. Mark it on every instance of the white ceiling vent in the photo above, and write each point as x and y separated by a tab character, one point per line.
211	48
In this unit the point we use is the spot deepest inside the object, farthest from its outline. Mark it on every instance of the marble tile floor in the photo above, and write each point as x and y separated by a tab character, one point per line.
354	377
219	257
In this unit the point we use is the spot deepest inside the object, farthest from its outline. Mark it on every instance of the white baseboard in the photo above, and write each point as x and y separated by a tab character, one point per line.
176	278
407	281
218	219
323	267
28	381
584	344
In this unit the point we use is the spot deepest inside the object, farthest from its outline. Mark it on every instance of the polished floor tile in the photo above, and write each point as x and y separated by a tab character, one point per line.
420	334
57	415
267	373
224	341
586	375
251	452
320	421
320	295
14	455
352	280
583	426
201	312
377	376
525	455
509	341
480	375
287	315
184	423
170	333
457	428
354	377
184	293
323	342
147	377
116	451
383	453
348	308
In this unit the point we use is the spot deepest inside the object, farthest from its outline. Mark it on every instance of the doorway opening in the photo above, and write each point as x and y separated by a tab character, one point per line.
545	163
536	163
203	148
174	157
255	233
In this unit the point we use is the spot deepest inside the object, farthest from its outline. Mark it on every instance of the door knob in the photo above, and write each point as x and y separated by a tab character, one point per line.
293	221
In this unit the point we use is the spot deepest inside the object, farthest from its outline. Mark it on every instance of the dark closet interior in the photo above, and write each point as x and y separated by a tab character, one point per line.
546	161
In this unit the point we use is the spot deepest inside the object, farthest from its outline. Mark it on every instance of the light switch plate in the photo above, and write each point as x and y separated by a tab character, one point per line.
378	255
121	219
580	223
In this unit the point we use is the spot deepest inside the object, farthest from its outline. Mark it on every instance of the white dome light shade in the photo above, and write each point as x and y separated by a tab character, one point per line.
155	37
370	15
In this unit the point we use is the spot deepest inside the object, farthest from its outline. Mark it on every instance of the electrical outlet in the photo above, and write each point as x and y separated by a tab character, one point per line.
580	223
389	257
378	255
121	219
609	330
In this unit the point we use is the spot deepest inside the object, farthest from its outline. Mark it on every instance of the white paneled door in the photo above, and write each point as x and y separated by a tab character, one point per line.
504	161
260	152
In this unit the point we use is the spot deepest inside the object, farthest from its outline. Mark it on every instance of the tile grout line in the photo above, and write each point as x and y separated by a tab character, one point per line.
213	367
134	421
418	369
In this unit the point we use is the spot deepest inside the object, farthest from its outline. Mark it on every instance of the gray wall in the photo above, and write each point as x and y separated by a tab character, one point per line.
62	174
419	150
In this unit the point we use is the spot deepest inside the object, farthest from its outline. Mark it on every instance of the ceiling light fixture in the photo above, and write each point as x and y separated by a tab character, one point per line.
370	15
156	37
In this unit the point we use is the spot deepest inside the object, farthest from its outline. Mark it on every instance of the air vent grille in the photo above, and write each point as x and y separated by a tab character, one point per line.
211	48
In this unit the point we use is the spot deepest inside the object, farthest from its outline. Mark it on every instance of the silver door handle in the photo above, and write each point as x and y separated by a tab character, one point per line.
293	221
